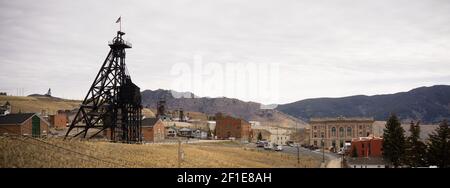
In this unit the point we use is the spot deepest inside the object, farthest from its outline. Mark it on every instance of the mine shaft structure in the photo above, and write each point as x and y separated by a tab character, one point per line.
112	105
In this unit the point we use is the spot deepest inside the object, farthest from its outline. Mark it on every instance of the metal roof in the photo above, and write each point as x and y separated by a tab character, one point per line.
149	122
15	118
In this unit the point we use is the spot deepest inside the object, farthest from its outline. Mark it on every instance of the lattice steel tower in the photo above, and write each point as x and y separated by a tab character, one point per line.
112	105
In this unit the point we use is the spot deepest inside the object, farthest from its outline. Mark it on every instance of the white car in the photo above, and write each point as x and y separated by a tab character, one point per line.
279	148
267	147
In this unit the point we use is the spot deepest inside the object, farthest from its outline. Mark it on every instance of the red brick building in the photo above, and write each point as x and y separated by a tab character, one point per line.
228	127
23	124
367	147
59	120
153	130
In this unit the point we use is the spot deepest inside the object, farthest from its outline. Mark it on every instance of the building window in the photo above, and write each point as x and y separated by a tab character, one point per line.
315	135
341	132
322	135
360	133
315	143
349	131
333	131
315	127
360	127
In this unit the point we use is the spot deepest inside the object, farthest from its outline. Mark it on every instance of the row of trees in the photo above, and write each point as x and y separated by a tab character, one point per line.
410	151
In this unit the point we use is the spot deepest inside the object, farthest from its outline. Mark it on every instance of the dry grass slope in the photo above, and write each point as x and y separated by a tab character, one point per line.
37	104
26	152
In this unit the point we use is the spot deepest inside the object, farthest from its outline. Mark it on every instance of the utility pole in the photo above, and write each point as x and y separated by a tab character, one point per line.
323	150
179	153
278	136
298	144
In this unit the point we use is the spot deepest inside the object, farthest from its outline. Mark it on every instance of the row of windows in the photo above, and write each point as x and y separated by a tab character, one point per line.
341	133
323	127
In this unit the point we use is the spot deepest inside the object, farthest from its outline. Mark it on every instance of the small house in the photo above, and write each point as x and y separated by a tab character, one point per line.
171	132
200	134
59	120
152	130
185	132
23	124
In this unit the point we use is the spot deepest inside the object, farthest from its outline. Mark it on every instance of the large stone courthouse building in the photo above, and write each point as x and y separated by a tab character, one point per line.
335	132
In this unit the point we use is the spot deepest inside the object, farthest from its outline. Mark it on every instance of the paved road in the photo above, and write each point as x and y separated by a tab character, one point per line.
334	163
331	160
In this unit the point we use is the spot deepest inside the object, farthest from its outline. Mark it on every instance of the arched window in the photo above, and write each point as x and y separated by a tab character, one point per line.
333	131
341	131
349	131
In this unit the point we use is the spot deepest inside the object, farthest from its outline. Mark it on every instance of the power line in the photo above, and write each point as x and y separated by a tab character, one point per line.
29	142
65	149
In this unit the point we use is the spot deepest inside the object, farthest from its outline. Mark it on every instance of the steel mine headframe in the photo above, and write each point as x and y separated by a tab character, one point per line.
112	105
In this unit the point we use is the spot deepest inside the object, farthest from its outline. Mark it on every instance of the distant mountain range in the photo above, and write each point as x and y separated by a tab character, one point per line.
428	104
188	101
250	111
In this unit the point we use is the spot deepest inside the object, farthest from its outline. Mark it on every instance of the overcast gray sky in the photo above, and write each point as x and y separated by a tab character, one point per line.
324	48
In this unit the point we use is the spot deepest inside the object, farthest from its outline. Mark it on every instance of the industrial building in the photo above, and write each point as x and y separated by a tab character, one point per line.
228	127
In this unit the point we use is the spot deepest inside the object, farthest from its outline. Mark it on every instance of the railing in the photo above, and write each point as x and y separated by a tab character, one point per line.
116	42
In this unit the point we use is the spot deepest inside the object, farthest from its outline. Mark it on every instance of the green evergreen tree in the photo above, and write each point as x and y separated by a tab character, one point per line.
415	152
259	136
439	146
354	152
393	141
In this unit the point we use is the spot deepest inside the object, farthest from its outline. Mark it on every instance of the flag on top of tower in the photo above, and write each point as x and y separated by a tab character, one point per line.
119	19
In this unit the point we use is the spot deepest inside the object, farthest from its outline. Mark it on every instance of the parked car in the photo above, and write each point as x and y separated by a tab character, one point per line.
290	143
278	148
267	146
260	144
313	147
